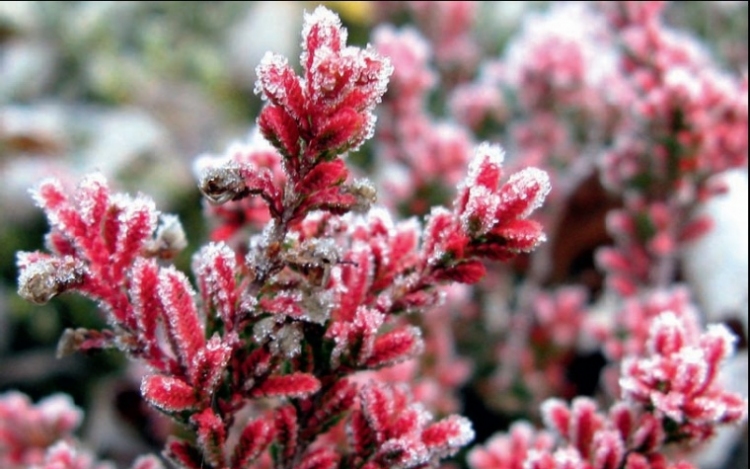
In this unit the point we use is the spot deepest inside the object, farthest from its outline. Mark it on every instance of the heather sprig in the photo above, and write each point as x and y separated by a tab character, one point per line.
278	327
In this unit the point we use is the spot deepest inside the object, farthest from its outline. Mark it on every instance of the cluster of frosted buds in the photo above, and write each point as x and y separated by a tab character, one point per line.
671	397
561	76
393	432
329	110
628	334
689	119
589	439
478	105
509	451
420	160
553	66
448	26
646	236
40	436
95	238
436	375
535	356
410	55
678	379
489	219
27	430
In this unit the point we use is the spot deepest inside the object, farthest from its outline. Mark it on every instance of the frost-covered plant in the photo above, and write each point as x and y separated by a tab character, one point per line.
261	365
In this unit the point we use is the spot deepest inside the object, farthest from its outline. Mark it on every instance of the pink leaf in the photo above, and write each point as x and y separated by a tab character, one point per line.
556	416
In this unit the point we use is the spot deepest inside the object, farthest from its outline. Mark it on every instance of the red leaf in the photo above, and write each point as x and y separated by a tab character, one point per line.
285	303
184	454
168	394
556	416
356	275
522	194
211	436
361	434
696	229
184	327
417	300
337	133
322	31
146	305
281	130
377	404
322	176
395	346
468	272
287	429
215	268
280	85
209	366
138	223
519	235
293	385
446	437
333	200
339	399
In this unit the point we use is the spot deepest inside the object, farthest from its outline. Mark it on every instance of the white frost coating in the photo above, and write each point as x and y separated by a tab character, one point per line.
264	329
485	154
90	187
267	70
410	452
722	334
52	215
463	435
382	215
479	216
42	279
684	80
327	22
132	209
525	181
288	341
692	371
665	323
